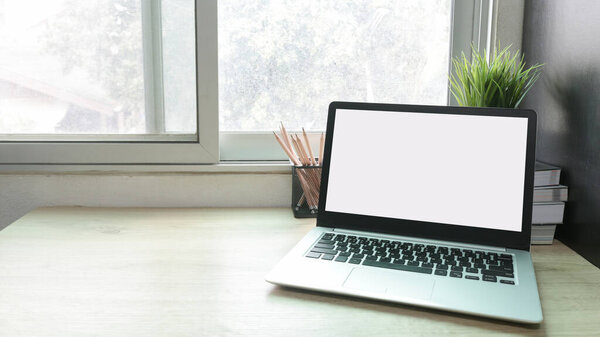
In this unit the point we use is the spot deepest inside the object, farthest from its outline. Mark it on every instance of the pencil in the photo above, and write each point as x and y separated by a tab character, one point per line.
313	176
310	153
301	201
307	180
300	151
287	151
286	137
321	149
310	197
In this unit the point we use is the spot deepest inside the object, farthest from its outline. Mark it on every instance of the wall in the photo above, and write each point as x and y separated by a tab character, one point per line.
564	36
21	193
508	25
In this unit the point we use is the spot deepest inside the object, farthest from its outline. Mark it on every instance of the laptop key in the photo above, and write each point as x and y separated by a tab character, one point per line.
442	266
341	259
344	254
471	277
472	270
497	273
464	264
456	274
502	268
324	251
457	268
489	278
327	257
413	263
354	261
507	282
397	267
441	272
427	265
313	255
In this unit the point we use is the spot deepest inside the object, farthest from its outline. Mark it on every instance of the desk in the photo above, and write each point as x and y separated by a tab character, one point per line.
200	272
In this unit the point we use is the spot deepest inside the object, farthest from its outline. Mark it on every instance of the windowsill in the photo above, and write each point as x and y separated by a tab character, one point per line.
228	167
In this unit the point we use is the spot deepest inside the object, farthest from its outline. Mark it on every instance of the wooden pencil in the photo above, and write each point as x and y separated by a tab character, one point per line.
300	151
286	137
321	149
310	153
287	151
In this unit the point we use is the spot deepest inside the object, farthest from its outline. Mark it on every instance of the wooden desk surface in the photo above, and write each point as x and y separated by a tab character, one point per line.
200	272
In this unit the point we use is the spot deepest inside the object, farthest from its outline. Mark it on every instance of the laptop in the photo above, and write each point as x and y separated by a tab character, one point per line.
424	205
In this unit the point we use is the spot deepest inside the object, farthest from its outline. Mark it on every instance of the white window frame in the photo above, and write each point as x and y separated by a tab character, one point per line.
471	23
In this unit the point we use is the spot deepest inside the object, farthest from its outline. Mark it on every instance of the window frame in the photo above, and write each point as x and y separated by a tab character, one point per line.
471	24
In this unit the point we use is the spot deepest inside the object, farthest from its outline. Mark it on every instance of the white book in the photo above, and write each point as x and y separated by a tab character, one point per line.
542	234
550	193
546	174
548	213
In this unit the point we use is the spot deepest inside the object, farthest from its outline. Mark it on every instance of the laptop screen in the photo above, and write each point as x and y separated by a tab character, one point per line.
463	170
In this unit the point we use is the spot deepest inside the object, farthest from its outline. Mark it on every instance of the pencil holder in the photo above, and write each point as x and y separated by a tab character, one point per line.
306	182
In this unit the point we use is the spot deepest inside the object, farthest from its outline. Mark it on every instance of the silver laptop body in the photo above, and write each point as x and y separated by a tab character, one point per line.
424	205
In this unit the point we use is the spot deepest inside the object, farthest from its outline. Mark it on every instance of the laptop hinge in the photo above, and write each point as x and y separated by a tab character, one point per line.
417	239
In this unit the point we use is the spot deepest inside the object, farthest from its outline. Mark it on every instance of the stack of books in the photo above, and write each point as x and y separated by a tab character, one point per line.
549	199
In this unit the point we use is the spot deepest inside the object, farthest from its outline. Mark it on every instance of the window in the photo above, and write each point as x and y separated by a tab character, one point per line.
287	60
103	81
148	81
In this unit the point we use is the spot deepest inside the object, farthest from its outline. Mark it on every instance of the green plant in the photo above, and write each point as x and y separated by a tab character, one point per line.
502	82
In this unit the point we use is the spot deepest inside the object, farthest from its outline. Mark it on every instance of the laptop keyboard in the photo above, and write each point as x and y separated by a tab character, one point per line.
477	265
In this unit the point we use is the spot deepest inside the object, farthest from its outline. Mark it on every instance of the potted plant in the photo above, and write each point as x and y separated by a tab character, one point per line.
502	82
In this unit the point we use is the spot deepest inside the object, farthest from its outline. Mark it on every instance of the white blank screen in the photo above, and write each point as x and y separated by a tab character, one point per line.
451	169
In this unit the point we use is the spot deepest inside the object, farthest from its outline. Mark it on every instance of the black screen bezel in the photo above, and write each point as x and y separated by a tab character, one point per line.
490	237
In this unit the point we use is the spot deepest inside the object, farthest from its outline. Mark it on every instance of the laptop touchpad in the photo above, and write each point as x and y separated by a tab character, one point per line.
400	284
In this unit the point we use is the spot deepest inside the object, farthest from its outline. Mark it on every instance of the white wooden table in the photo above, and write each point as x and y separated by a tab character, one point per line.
200	272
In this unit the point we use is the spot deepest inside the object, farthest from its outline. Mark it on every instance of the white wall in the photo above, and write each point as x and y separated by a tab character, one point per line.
21	193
